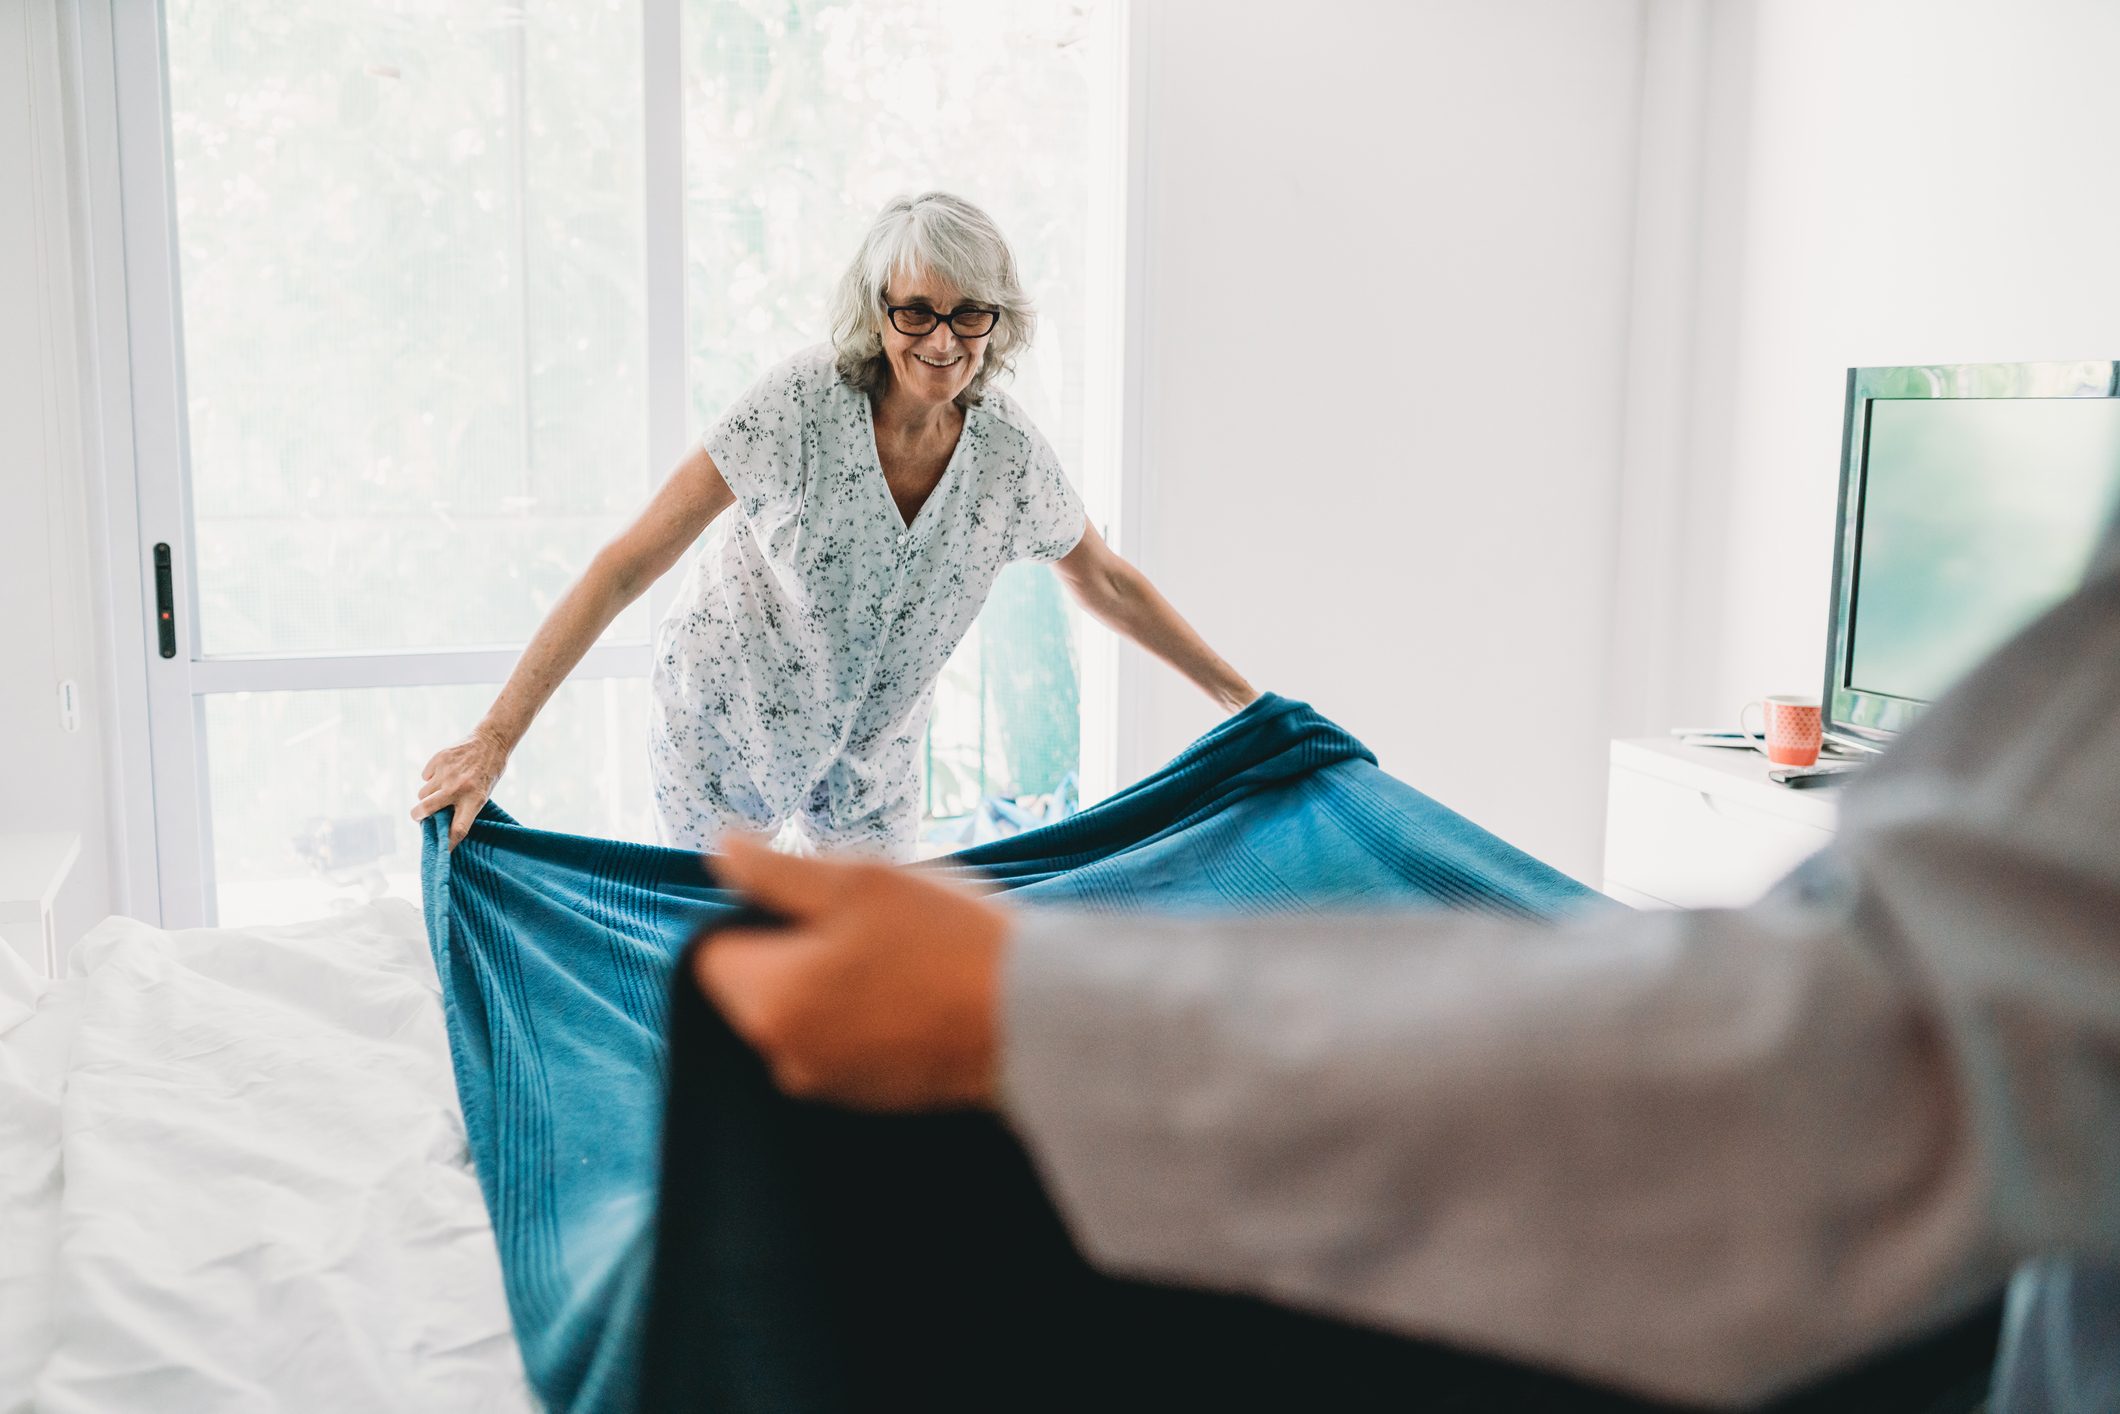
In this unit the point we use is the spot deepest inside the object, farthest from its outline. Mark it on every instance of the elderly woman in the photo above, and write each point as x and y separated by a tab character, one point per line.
880	484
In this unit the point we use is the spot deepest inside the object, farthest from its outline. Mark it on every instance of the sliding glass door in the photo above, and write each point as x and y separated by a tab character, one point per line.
408	290
407	262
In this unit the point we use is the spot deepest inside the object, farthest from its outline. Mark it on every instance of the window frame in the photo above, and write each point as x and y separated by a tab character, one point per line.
137	448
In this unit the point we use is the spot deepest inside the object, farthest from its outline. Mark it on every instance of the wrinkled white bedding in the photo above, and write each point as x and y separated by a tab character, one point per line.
233	1177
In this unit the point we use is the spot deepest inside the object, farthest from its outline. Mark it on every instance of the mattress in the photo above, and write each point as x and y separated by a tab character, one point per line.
233	1176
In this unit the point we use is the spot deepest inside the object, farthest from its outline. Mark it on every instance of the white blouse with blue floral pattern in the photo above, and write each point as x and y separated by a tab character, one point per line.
794	672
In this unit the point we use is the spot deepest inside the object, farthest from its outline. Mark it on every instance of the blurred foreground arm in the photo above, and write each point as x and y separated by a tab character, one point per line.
1703	1155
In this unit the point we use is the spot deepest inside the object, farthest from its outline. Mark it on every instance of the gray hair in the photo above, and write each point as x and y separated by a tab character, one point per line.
946	236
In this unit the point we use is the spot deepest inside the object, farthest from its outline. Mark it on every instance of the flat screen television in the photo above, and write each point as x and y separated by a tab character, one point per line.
1972	497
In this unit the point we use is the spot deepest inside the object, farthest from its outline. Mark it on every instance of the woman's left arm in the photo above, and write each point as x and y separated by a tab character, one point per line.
1121	598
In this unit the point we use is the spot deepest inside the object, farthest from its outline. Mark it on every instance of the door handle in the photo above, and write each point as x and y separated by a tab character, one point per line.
165	602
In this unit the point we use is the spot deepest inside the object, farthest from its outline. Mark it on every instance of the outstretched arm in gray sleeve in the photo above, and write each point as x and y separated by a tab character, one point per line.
1700	1154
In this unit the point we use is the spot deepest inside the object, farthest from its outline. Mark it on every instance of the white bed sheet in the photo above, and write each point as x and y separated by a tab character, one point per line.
233	1176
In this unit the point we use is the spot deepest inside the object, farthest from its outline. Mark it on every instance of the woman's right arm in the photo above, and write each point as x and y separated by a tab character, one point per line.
463	775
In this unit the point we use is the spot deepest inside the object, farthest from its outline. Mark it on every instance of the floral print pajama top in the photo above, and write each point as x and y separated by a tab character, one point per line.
794	672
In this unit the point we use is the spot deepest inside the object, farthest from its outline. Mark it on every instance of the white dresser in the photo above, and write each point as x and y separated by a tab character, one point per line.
1703	827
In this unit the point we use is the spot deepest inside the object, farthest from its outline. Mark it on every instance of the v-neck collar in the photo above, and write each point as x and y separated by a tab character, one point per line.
896	522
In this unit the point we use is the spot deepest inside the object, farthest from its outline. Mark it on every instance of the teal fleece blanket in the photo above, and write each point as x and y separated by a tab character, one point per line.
555	954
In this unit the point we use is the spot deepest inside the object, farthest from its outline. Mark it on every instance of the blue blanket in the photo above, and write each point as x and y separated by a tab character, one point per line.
555	951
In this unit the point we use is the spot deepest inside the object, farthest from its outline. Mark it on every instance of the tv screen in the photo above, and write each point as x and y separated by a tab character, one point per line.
1977	515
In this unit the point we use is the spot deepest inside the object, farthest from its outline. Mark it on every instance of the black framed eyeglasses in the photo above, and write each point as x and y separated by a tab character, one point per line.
968	322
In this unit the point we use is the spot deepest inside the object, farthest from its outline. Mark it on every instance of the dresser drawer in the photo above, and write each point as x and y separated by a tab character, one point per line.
1696	849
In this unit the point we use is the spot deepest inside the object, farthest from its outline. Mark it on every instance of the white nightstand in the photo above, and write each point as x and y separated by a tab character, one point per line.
1703	827
33	868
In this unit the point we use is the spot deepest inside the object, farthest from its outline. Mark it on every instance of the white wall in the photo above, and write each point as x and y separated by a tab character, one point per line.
1890	182
1387	269
50	779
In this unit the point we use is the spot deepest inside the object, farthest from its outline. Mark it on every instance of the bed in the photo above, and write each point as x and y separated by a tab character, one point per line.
251	1169
233	1176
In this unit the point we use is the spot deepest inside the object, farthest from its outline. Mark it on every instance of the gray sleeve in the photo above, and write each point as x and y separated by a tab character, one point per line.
1698	1154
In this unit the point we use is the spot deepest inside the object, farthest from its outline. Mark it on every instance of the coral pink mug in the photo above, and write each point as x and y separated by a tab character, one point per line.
1794	728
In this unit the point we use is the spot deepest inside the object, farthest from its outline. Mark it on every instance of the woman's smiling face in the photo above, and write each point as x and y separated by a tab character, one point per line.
938	365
